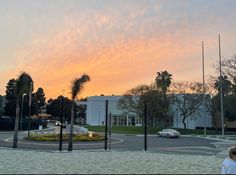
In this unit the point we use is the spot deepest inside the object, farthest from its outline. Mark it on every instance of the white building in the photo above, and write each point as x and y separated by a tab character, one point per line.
96	111
198	119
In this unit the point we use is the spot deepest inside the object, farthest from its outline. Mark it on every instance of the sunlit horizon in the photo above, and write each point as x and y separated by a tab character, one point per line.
119	44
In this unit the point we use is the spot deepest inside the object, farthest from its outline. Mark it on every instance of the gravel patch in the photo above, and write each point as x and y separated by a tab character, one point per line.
16	161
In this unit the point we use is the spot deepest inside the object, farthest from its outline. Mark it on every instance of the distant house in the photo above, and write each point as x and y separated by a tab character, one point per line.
96	106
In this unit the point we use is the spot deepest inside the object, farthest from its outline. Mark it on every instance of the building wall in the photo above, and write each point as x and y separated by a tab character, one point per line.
199	119
95	114
96	108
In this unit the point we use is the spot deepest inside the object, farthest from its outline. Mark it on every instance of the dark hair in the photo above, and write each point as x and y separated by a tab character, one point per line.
232	151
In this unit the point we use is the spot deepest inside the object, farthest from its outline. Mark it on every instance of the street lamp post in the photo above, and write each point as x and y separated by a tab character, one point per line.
30	99
61	123
99	118
145	125
177	116
21	116
37	107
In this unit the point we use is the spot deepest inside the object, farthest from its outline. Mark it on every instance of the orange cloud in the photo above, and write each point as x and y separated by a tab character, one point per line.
113	67
118	52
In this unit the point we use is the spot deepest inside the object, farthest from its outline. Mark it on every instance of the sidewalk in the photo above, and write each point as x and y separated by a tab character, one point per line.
104	162
18	161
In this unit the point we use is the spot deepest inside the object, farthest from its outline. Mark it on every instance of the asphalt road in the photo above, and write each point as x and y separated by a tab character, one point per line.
184	144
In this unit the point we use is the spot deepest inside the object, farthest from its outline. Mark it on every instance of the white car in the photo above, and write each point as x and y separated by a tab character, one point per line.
57	123
170	133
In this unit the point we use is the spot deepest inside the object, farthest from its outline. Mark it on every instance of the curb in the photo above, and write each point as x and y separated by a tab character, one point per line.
217	137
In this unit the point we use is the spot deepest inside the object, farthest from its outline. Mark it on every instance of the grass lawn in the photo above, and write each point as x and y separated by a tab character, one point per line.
123	129
140	130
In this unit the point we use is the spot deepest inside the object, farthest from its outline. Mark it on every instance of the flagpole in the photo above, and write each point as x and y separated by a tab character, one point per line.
203	82
221	90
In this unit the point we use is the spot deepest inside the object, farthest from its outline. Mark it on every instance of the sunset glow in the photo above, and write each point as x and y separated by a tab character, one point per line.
119	44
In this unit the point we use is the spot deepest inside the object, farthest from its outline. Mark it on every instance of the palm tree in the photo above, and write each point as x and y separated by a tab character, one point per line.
23	84
77	86
163	81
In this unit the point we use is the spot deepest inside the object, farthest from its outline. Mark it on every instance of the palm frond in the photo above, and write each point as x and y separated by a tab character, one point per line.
77	85
23	84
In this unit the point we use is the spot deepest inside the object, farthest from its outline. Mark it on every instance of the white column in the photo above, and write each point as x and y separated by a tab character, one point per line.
127	120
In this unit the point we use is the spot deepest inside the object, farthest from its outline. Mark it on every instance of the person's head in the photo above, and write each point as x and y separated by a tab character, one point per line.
232	152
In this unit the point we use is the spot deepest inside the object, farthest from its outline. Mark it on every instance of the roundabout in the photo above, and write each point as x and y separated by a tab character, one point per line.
121	142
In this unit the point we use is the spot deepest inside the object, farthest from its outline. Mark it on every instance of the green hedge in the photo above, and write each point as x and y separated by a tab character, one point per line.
56	137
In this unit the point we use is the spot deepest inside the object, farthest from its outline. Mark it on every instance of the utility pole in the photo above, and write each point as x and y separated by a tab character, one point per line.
203	84
110	127
145	125
61	123
106	123
221	90
30	99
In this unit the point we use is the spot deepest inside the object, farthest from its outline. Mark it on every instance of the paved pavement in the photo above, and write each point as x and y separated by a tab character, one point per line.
18	161
188	155
183	145
126	142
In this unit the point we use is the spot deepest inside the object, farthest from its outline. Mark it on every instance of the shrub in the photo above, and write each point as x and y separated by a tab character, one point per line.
56	137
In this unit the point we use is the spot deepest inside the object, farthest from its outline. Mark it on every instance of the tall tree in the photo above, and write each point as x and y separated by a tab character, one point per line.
133	102
38	100
226	85
187	98
229	67
229	70
163	82
229	108
23	85
10	98
1	106
212	102
54	106
77	86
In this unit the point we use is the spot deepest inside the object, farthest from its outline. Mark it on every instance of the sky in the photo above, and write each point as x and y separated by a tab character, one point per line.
119	44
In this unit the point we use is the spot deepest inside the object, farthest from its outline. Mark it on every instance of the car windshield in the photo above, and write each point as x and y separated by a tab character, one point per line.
172	130
168	130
